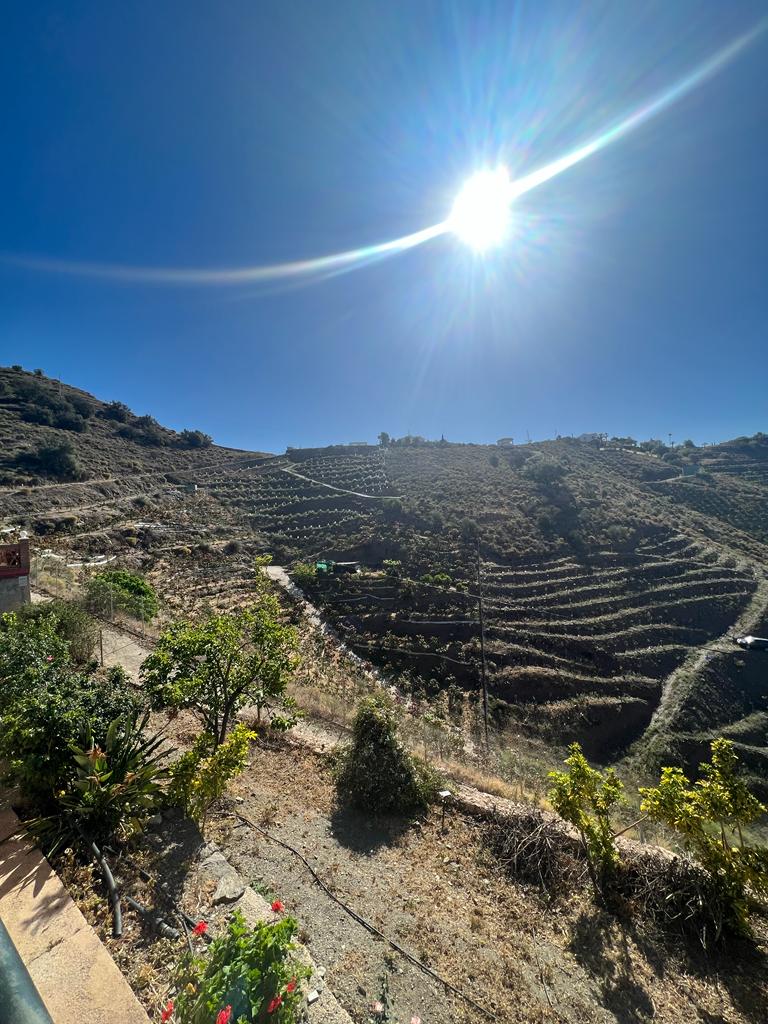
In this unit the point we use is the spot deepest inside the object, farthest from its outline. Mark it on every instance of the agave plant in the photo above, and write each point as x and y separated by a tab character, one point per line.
115	791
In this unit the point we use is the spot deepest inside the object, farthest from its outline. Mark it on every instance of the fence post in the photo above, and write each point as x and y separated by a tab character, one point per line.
101	647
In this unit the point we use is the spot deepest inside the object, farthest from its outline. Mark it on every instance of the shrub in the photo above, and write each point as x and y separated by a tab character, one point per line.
120	590
195	439
46	719
304	574
115	789
116	411
70	621
30	651
376	773
543	471
393	508
200	776
252	972
709	816
584	797
56	461
70	421
219	666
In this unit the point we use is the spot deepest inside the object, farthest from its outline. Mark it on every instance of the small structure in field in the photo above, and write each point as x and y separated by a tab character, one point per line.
505	442
14	575
328	567
753	643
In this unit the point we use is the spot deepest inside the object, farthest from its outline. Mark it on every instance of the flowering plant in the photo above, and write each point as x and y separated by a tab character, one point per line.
247	976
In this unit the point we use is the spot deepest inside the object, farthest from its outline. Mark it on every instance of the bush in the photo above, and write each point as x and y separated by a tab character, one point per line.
46	719
70	421
376	773
195	439
543	471
115	790
70	621
584	796
200	776
116	411
31	649
120	590
710	816
56	461
304	574
250	972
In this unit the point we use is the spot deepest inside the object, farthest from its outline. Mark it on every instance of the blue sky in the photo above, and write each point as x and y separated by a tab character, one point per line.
630	297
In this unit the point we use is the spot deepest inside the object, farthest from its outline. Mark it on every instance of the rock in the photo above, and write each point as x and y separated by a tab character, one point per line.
312	996
229	889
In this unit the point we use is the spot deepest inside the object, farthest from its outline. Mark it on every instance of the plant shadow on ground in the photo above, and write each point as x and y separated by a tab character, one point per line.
181	844
364	834
601	943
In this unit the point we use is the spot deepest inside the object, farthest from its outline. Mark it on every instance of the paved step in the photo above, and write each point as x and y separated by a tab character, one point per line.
75	975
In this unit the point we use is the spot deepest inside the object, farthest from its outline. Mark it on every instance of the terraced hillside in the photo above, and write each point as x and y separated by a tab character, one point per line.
601	577
611	574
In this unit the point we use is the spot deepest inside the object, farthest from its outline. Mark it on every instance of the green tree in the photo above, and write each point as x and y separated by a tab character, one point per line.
584	797
710	816
384	439
226	663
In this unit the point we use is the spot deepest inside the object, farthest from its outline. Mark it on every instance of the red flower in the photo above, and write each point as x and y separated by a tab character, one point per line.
278	908
167	1012
291	986
224	1015
277	1001
200	928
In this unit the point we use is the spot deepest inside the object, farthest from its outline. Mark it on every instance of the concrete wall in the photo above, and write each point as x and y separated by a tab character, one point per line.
14	592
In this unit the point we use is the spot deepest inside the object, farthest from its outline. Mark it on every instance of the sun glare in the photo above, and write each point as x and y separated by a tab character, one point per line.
481	212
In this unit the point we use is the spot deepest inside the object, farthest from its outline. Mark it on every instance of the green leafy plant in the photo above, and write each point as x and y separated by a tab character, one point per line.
120	590
45	720
219	666
201	775
304	574
115	789
247	975
584	797
71	622
376	773
31	650
710	815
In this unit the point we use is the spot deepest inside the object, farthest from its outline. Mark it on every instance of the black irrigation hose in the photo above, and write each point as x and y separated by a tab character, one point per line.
367	924
114	896
186	920
162	926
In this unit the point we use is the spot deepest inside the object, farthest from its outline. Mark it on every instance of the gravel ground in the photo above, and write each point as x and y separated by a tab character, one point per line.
436	895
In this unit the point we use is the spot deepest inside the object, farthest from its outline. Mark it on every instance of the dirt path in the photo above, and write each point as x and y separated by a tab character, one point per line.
331	487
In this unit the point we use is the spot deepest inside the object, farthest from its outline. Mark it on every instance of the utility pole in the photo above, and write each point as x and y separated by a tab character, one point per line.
482	645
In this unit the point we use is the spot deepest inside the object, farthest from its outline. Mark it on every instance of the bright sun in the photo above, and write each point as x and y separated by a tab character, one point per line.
480	214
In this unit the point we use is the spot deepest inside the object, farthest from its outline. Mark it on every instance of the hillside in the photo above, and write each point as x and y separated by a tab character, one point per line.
104	439
611	573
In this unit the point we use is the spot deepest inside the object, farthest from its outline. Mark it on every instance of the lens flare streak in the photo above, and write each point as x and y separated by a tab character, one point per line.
356	258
